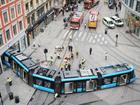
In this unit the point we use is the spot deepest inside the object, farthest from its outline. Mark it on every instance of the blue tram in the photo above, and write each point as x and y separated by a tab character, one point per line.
64	82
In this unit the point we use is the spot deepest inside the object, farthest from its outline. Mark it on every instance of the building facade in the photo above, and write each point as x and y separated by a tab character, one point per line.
12	26
38	14
131	13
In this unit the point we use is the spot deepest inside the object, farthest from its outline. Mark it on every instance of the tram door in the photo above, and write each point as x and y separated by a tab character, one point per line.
123	79
68	87
79	86
91	85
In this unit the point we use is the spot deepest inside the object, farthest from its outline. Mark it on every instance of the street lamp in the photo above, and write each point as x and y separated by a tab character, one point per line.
45	52
1	99
116	40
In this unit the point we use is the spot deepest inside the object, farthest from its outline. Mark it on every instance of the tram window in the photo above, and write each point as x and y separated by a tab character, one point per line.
107	80
79	84
38	81
114	79
47	84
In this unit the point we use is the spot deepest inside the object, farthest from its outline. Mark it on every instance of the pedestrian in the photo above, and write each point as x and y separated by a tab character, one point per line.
69	67
69	47
77	54
105	30
90	51
116	8
106	55
72	56
120	5
85	25
63	12
80	66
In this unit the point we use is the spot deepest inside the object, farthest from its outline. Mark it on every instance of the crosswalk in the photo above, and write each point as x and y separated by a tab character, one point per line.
88	37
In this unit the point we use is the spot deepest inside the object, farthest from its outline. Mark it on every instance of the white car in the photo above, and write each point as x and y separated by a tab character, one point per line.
117	21
108	22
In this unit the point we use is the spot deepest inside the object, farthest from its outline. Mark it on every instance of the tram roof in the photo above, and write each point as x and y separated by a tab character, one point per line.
29	63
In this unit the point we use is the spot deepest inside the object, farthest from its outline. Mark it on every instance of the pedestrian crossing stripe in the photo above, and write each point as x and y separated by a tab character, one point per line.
90	39
82	39
80	34
75	34
66	34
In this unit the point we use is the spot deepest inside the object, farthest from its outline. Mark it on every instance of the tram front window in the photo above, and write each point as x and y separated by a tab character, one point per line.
123	79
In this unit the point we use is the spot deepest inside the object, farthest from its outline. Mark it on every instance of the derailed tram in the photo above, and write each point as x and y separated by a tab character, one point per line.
74	81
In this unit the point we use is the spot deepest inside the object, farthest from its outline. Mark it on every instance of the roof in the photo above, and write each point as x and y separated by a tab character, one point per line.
92	18
77	16
107	18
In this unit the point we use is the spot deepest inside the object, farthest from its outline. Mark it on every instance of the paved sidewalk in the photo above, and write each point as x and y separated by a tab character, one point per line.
19	88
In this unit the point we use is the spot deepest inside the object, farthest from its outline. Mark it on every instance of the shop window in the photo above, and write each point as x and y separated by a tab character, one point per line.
1	40
126	2
37	2
131	4
138	6
8	34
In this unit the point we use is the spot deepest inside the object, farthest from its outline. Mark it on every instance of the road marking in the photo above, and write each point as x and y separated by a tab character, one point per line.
65	34
100	35
80	34
106	42
103	38
90	39
98	40
94	41
95	36
83	37
75	34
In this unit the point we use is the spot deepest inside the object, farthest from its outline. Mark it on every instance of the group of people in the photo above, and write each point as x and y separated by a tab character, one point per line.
117	5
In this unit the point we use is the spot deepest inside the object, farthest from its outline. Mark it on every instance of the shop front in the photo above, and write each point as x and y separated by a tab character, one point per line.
33	30
133	23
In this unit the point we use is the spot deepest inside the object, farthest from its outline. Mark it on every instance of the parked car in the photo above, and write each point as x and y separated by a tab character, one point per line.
108	22
117	21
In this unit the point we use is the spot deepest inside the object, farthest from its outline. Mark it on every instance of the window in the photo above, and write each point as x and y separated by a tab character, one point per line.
131	3
5	16
19	8
27	7
31	3
1	40
8	34
20	25
15	29
12	12
2	2
138	6
126	2
36	1
107	80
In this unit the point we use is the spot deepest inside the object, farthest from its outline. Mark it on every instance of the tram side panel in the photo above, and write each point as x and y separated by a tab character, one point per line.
41	83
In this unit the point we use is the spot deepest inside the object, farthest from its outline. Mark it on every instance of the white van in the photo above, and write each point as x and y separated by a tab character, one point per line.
108	22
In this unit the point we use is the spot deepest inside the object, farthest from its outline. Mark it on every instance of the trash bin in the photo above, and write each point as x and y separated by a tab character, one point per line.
16	99
11	95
